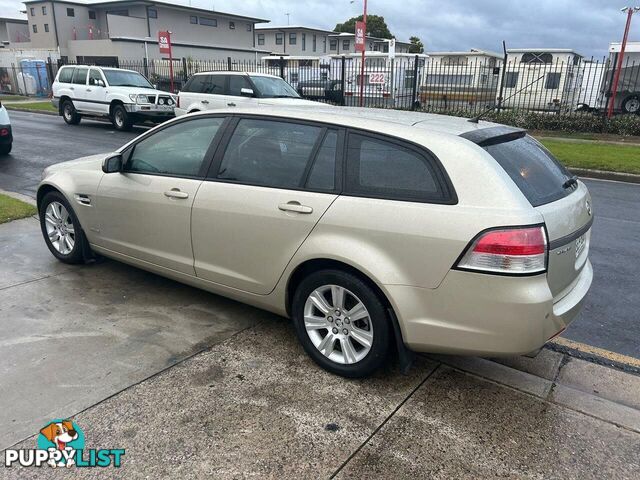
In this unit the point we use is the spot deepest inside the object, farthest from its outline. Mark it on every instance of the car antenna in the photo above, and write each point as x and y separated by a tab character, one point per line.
478	117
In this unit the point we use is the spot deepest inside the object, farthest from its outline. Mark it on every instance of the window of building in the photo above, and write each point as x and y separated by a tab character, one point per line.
304	41
71	12
193	20
92	14
44	10
537	57
34	27
249	27
269	153
232	25
345	44
46	27
389	170
333	44
209	22
292	38
553	81
152	12
511	79
33	11
314	42
279	38
261	39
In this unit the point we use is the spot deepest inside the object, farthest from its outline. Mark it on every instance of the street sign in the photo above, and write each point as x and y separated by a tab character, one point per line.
360	36
164	42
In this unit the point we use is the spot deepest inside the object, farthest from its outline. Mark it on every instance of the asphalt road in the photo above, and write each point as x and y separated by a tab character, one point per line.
610	319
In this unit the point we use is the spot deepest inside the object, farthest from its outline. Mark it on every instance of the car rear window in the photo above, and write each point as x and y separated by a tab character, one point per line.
536	172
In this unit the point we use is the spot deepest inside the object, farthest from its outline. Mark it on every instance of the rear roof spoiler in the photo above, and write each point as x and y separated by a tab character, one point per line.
494	135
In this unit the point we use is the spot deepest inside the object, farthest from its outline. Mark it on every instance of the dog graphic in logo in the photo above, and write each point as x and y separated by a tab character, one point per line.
60	435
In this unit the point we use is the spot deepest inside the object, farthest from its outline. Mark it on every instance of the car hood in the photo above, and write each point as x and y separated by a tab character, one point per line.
285	101
93	162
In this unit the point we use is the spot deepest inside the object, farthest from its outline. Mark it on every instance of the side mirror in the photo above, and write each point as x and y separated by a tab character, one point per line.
112	164
155	85
246	92
100	83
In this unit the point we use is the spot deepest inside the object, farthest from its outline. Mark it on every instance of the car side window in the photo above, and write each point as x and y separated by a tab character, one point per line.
80	76
269	153
385	169
237	83
210	84
323	173
176	150
94	76
66	73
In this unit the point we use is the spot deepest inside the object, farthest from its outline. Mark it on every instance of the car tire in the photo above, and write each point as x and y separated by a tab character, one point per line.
61	229
350	347
5	149
121	119
70	114
631	104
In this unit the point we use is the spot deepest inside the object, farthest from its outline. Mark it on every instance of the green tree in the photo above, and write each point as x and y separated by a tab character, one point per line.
376	26
416	45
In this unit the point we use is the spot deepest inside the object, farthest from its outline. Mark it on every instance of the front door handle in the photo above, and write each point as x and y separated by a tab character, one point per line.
176	193
205	102
295	207
231	104
89	90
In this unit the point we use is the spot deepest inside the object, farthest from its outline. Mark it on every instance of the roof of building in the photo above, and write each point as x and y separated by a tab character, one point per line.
292	27
14	20
542	50
347	34
472	52
150	3
632	47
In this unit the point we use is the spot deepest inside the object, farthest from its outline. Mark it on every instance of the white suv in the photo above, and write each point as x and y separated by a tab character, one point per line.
123	96
211	90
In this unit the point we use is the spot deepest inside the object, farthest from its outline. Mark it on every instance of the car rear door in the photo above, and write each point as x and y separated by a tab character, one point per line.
203	92
144	212
563	202
78	89
271	181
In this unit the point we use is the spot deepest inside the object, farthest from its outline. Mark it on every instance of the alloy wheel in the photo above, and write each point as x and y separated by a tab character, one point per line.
338	324
60	229
633	105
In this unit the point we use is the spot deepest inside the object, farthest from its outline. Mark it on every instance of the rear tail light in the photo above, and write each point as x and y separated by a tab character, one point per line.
4	132
510	251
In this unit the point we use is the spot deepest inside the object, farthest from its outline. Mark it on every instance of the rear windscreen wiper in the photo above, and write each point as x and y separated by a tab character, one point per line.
571	182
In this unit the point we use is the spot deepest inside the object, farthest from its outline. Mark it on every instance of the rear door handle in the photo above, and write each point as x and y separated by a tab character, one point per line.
295	207
231	104
89	90
205	102
176	193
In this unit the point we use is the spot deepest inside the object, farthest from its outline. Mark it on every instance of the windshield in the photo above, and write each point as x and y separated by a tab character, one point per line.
122	78
270	87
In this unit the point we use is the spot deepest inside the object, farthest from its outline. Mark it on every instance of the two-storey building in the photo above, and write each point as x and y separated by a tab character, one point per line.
103	31
12	31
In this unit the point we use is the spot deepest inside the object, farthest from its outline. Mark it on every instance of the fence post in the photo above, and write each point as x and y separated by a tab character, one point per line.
503	75
610	91
185	73
344	65
24	80
50	74
228	63
145	66
281	65
414	98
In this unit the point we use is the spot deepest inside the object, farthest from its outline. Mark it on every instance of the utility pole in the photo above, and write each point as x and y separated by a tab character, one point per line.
287	14
629	11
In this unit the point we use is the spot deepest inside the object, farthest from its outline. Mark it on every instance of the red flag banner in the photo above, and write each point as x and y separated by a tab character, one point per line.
164	42
360	34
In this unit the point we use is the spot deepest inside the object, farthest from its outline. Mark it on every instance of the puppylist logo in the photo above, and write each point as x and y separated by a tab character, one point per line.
61	443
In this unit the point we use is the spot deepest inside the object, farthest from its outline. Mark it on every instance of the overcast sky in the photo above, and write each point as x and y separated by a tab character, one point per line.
587	26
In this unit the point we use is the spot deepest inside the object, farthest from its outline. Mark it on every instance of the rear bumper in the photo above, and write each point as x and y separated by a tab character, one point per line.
8	138
485	315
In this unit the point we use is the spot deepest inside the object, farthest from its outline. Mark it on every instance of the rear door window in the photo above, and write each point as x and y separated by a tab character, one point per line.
80	76
536	172
269	153
386	169
210	84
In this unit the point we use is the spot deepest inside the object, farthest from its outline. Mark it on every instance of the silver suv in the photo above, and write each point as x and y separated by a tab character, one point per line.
366	227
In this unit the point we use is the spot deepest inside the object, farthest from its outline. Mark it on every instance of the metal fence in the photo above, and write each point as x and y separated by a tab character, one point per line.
404	82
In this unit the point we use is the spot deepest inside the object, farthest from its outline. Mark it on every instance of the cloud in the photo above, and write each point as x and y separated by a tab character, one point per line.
587	26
